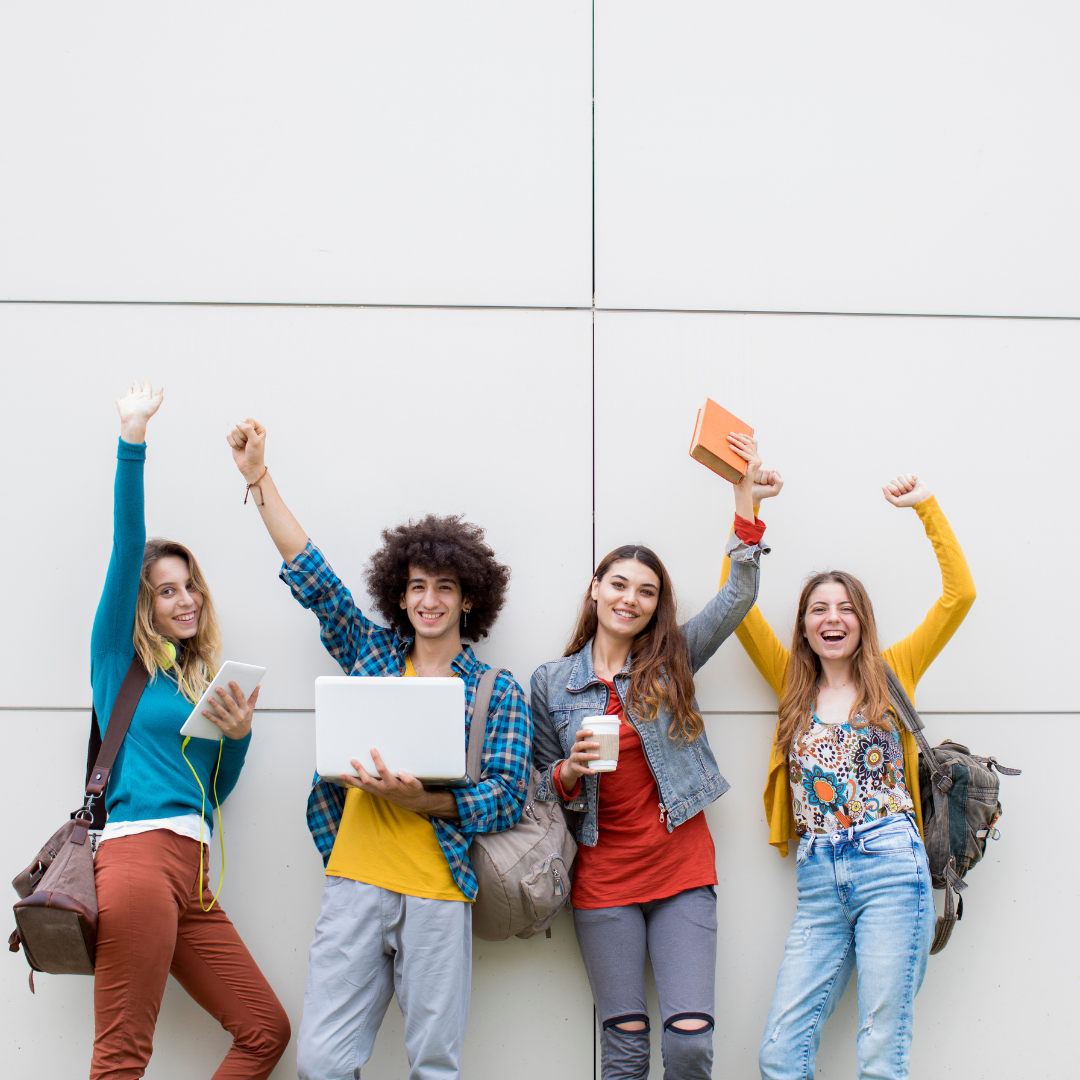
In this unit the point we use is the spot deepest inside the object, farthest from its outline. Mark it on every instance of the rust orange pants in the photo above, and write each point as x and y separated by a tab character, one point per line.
150	923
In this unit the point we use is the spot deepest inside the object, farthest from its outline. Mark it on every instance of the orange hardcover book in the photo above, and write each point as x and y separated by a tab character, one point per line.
710	445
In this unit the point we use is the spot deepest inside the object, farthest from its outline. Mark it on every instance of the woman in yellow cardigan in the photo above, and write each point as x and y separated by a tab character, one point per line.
844	782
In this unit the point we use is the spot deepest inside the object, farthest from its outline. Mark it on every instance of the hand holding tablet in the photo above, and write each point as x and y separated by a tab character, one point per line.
246	676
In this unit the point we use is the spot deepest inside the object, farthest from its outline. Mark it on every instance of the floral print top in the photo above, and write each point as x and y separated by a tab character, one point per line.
843	776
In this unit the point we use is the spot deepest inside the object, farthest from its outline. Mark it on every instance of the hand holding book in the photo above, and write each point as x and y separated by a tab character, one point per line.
711	445
725	444
745	447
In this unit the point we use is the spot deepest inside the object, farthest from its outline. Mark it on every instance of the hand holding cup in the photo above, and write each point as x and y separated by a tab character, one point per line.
595	750
605	729
579	763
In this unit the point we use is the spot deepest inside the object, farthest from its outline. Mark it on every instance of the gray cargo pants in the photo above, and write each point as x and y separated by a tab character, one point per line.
679	935
368	943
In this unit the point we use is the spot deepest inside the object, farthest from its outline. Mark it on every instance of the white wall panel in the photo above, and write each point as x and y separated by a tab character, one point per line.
272	893
374	416
531	1004
982	408
339	152
838	157
1009	946
845	158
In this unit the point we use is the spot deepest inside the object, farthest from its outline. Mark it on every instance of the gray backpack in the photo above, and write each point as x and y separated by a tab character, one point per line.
960	808
523	872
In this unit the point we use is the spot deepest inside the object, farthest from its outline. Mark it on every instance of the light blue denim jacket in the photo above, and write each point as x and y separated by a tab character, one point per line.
686	774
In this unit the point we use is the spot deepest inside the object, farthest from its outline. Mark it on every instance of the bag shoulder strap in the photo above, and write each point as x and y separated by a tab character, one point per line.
942	862
912	722
123	710
905	710
478	723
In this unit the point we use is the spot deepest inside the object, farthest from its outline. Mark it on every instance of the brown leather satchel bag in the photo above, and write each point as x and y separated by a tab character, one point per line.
56	915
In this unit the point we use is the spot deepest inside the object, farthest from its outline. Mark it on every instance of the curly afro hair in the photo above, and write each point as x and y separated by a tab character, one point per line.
433	544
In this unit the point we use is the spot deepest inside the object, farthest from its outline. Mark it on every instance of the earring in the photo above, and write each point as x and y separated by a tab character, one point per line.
466	622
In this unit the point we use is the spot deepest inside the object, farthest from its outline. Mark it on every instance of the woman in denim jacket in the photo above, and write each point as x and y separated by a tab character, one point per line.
646	869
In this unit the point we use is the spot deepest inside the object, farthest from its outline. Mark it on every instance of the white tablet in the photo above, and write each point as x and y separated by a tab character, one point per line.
246	676
417	725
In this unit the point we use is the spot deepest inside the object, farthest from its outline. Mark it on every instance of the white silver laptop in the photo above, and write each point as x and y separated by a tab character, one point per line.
417	725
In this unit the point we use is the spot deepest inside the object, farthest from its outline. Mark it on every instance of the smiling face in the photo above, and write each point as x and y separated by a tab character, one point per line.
626	598
177	602
831	626
433	602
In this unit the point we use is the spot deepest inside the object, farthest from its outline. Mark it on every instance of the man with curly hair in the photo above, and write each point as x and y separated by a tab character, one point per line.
396	909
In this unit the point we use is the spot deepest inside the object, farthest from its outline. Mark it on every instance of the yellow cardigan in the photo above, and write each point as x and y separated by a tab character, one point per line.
909	658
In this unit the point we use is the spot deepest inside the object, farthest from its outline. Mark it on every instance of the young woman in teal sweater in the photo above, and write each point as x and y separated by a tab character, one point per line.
156	913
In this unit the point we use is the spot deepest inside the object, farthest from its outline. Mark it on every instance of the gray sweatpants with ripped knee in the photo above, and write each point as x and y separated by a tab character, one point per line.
678	934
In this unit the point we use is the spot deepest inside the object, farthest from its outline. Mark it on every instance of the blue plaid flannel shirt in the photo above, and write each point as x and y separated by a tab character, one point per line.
363	648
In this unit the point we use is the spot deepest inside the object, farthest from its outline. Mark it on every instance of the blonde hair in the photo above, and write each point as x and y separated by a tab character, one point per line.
872	701
197	661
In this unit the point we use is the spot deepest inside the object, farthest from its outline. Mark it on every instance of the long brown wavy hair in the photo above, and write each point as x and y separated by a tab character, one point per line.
198	658
659	665
872	704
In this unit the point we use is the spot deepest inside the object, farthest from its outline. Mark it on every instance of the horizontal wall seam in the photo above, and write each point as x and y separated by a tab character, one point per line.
304	304
843	314
547	307
704	712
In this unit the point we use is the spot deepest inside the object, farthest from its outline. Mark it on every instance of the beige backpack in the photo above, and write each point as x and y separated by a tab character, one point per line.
523	872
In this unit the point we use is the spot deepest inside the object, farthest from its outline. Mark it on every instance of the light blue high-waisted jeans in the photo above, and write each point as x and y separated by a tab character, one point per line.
865	899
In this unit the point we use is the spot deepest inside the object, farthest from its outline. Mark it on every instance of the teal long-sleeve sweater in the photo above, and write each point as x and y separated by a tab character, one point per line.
150	778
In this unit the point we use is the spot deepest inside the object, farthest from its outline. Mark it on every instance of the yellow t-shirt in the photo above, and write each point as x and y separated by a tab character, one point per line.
381	843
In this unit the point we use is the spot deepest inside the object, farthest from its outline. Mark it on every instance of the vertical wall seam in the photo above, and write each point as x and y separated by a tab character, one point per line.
593	120
592	105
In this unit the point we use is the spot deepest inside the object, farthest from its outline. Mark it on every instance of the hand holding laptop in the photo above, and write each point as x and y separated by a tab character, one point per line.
404	789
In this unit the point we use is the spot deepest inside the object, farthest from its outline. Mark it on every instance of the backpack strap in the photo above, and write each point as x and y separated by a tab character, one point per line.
937	844
912	722
954	910
97	774
478	723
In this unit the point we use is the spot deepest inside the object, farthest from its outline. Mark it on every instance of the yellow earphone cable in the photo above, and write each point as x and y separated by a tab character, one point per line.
202	820
182	685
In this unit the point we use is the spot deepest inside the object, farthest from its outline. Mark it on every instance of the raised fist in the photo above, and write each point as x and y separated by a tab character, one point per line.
906	490
248	442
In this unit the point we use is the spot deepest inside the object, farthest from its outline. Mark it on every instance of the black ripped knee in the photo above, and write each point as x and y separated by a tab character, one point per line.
672	1023
630	1018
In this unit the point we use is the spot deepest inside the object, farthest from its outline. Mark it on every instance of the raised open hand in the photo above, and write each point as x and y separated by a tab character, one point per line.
906	490
248	442
135	408
768	485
